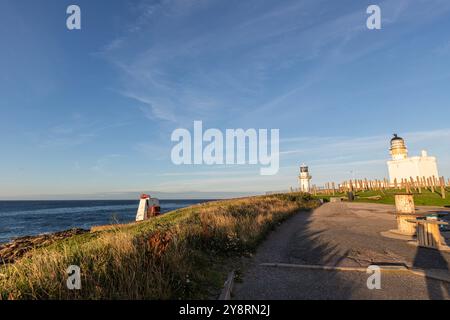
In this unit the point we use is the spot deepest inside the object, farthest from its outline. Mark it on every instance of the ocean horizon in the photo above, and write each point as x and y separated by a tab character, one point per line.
34	217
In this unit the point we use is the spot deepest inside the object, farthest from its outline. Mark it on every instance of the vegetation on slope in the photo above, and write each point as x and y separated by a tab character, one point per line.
183	254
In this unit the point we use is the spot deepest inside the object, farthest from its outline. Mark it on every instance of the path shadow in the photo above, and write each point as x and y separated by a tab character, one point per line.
295	242
433	261
309	247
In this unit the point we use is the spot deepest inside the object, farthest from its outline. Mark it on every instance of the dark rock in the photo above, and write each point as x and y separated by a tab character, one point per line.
16	249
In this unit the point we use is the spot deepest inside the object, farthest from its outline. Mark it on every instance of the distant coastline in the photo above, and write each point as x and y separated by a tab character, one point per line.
132	196
39	217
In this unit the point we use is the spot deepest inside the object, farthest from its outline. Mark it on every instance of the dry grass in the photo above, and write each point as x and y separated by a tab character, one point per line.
177	255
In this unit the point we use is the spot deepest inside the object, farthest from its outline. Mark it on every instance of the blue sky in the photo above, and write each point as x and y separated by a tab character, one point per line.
89	113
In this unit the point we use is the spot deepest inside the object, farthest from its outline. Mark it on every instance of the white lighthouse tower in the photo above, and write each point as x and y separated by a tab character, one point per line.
403	167
305	179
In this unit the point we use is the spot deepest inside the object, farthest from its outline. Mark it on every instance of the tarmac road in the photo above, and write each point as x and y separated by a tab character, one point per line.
345	235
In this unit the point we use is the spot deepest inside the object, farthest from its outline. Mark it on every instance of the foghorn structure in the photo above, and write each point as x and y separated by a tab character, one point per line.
148	207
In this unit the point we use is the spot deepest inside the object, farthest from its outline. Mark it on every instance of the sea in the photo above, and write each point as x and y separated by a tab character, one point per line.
28	218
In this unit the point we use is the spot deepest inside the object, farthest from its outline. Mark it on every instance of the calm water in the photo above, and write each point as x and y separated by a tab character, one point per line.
23	218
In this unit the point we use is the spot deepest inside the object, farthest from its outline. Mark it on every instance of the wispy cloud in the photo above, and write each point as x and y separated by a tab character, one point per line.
359	145
78	130
104	165
333	157
332	43
186	67
309	68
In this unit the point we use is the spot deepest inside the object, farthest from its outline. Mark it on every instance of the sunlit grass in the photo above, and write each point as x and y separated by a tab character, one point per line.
181	254
426	198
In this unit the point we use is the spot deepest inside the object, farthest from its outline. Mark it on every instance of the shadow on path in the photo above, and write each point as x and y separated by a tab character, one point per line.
429	259
295	242
340	235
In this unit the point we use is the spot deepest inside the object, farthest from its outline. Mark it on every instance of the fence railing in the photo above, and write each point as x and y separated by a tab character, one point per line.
418	185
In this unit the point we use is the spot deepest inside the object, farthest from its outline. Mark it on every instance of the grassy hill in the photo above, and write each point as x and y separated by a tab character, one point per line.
182	254
426	198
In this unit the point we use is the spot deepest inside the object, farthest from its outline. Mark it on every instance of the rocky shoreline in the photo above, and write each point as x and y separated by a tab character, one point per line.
16	249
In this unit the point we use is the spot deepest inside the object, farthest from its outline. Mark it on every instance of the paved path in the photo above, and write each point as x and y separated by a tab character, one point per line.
341	234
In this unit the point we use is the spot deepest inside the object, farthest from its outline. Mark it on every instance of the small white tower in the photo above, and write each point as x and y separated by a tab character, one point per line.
305	179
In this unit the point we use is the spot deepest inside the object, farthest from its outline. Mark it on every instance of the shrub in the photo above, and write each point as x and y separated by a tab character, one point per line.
177	255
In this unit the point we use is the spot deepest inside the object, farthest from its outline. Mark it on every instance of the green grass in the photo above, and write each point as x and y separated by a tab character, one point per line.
185	254
426	198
